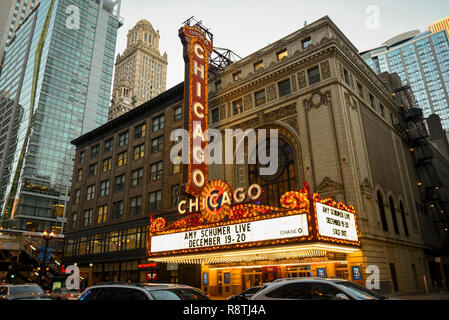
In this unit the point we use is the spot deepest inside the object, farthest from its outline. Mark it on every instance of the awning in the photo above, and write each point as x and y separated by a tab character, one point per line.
274	253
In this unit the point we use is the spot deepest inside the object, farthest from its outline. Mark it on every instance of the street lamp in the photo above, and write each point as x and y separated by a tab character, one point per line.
47	238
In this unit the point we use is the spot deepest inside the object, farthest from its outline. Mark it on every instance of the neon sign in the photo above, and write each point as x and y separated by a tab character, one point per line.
197	50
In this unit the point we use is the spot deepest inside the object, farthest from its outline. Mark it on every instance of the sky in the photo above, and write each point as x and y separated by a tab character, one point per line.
245	26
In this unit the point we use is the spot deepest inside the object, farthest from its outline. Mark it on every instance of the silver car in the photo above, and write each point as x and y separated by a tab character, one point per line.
316	289
22	292
146	291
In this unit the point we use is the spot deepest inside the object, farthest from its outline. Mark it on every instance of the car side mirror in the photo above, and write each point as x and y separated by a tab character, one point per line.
341	296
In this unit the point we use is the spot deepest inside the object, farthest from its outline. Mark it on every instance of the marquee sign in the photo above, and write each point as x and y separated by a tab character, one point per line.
247	232
302	217
197	49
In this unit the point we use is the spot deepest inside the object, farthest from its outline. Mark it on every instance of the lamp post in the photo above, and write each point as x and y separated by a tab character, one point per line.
47	238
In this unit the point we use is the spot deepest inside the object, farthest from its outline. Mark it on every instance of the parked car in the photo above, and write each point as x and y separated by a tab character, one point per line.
144	291
64	294
22	292
316	289
247	294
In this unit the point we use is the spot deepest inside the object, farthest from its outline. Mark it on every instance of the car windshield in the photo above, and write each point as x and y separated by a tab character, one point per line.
359	291
253	290
178	294
22	290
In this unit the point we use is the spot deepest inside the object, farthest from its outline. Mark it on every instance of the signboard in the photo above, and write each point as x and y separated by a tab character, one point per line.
321	273
336	223
356	273
261	230
151	276
205	278
41	254
197	50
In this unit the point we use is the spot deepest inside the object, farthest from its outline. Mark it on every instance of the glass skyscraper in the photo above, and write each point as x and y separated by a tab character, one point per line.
54	87
422	61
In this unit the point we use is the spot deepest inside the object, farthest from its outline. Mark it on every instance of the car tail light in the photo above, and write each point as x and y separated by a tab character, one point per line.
68	295
48	291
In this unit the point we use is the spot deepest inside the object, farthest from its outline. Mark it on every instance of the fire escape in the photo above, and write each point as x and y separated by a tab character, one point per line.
414	133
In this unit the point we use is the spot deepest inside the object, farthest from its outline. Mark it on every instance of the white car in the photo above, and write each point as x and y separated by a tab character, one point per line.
316	289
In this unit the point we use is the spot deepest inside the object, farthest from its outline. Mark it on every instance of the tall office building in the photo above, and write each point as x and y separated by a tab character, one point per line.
140	71
12	14
422	61
439	25
55	85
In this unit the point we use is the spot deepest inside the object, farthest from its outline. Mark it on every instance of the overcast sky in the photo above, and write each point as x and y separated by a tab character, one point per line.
245	26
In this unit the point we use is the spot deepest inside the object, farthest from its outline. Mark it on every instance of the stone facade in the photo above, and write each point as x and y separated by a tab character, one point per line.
140	71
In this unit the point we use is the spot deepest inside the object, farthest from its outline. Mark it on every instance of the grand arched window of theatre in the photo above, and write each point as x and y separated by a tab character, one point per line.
284	179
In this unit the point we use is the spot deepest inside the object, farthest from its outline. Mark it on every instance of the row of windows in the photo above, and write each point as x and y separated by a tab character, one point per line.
284	88
259	65
117	213
139	132
383	217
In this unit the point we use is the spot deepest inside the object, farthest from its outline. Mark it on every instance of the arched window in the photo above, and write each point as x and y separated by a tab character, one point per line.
404	218
383	217
282	181
393	216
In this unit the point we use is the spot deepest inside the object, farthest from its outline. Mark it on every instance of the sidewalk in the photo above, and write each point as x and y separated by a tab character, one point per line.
435	294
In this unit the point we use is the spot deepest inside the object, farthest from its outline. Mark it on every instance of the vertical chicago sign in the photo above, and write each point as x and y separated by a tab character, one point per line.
197	50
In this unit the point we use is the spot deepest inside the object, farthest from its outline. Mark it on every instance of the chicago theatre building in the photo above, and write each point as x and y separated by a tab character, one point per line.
358	194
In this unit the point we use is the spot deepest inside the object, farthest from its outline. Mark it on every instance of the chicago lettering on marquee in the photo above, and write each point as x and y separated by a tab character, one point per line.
197	50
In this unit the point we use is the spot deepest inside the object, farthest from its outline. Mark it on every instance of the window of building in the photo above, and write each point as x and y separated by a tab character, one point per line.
383	217
80	174
90	193
360	90
82	156
137	177
306	42
93	170
177	114
157	144
156	171
284	87
217	84
404	219
283	180
119	183
158	123
108	145
237	107
175	195
372	101
382	110
88	218
102	214
314	75
259	97
140	131
107	164
74	218
282	54
123	139
215	115
104	188
177	166
117	212
135	206
139	152
155	201
122	159
393	216
346	76
94	152
77	196
236	76
258	65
